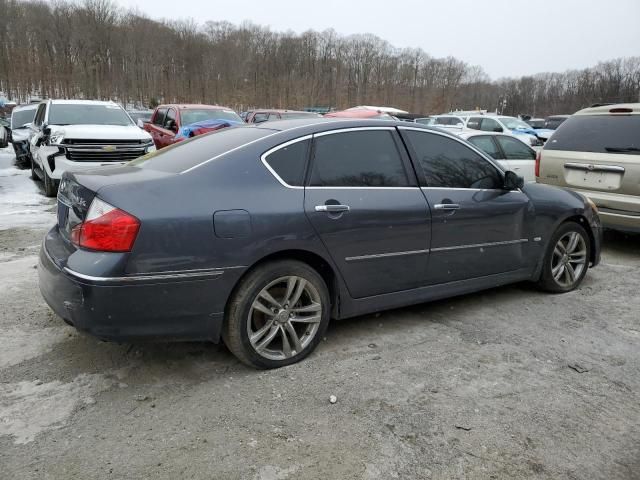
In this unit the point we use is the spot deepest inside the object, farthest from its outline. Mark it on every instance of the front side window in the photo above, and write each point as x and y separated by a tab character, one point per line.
514	149
159	118
490	125
289	162
487	145
260	117
83	114
448	163
367	158
170	120
474	122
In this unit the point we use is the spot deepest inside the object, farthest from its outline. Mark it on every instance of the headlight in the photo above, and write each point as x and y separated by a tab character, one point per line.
150	148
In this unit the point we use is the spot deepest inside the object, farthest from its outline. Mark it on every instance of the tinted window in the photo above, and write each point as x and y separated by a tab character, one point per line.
453	121
189	153
85	114
358	159
487	145
159	118
490	125
450	164
289	162
514	149
536	123
598	133
553	122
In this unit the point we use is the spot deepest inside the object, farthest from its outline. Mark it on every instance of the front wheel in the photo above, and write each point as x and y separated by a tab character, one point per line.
566	260
278	315
50	188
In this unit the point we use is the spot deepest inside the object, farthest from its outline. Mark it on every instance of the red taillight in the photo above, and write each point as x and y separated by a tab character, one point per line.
538	156
106	228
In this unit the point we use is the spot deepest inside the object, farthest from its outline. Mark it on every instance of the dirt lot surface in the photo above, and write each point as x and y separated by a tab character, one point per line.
507	384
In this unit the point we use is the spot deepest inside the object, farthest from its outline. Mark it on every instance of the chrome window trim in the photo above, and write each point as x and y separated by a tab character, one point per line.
250	143
263	159
386	255
480	245
362	188
352	129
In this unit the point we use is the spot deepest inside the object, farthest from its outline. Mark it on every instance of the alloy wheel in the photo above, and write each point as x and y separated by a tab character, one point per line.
569	259
284	318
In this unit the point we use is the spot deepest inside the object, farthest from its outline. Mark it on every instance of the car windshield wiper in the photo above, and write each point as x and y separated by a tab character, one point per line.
622	149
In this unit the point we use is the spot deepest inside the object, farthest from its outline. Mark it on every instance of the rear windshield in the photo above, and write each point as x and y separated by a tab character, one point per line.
83	114
189	153
199	115
598	133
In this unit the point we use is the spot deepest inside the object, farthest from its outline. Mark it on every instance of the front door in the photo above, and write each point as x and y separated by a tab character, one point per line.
478	227
363	200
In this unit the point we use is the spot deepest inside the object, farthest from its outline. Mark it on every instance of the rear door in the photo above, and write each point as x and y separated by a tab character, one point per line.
478	228
363	200
597	154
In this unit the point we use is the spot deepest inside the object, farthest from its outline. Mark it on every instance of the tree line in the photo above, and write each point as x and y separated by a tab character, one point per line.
97	50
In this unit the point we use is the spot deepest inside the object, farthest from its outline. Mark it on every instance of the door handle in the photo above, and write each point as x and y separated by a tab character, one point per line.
332	208
446	206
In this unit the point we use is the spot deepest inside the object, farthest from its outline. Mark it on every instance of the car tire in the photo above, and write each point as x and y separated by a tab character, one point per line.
50	187
34	175
566	260
268	336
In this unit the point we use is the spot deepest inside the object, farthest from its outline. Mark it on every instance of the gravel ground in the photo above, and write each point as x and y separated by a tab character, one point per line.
509	383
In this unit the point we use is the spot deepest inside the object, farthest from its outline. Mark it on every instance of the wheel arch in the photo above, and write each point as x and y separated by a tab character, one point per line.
312	259
584	223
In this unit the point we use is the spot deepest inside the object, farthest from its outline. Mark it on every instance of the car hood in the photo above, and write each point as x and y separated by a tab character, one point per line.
101	132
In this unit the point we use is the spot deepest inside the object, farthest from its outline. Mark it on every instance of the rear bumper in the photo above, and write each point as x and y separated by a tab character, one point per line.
617	211
162	307
628	221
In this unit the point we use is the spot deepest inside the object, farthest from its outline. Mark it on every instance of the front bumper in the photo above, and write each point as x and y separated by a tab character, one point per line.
133	307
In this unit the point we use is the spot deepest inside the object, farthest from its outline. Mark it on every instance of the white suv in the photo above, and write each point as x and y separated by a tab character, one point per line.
75	135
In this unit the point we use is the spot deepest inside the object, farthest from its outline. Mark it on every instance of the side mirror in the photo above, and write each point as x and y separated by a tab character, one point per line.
512	181
498	129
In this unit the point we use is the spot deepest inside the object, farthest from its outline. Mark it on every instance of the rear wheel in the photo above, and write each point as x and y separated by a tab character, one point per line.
567	259
278	315
34	175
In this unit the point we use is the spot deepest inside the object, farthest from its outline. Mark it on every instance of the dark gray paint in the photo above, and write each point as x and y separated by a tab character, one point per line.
177	212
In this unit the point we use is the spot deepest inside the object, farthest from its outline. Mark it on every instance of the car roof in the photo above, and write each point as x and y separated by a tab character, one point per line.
628	108
279	110
200	106
82	102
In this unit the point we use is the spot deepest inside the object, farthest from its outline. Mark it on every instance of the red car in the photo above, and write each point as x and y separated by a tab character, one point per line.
259	116
175	122
359	113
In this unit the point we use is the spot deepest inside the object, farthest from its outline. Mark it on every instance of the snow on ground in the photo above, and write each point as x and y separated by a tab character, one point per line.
22	203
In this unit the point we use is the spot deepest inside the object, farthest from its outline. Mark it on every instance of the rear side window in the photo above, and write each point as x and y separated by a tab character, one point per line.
189	153
514	149
358	159
487	145
598	133
447	163
289	162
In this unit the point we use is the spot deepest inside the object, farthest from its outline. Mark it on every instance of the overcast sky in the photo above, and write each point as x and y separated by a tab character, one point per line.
505	37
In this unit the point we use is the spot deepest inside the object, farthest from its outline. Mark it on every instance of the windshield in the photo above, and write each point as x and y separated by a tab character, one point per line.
598	133
22	117
513	123
79	114
199	115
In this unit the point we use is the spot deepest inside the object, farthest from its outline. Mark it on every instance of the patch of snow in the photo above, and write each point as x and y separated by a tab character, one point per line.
30	408
21	202
17	345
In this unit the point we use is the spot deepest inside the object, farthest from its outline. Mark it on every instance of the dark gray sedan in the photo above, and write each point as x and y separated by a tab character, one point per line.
261	234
